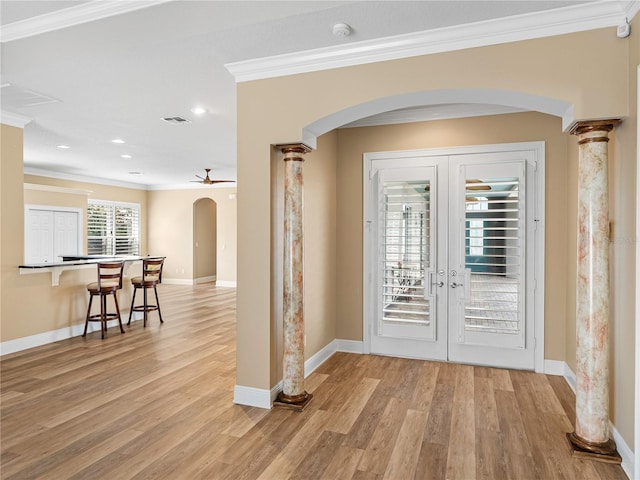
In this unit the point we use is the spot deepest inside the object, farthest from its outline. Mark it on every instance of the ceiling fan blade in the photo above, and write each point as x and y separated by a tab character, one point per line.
222	181
201	178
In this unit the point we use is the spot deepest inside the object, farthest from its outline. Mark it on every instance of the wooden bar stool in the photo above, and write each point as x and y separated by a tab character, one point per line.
109	282
151	277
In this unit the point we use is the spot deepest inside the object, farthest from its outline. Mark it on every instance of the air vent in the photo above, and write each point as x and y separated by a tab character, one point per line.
14	96
176	120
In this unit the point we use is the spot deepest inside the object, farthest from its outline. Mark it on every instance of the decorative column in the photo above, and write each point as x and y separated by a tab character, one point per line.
591	437
293	395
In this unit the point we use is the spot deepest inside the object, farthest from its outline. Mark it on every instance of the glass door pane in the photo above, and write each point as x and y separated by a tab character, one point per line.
405	252
492	256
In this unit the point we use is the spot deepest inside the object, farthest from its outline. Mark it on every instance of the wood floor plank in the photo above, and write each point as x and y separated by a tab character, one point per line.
379	450
343	465
432	461
321	454
486	410
404	457
461	460
297	448
157	402
348	414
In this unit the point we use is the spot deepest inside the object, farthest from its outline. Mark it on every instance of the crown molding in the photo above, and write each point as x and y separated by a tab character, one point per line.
68	17
14	119
56	189
81	178
599	14
632	8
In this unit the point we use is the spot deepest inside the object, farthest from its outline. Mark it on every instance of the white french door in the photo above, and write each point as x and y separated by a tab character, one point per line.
450	264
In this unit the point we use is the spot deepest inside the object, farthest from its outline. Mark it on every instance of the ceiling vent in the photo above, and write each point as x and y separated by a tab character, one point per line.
14	96
176	120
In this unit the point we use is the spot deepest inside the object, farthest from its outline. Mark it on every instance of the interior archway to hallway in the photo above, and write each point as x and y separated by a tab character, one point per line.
204	240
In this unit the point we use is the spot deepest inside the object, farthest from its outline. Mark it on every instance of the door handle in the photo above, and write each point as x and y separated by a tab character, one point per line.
454	284
432	283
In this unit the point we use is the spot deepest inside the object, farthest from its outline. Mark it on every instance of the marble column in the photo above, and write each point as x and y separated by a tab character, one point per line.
293	395
591	436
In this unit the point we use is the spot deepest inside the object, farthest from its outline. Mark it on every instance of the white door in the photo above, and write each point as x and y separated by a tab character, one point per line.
66	234
406	233
40	234
448	242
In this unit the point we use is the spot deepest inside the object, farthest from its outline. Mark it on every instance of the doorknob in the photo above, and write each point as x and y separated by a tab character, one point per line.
454	284
439	284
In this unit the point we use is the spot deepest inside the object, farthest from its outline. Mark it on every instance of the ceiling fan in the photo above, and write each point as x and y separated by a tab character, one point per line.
207	181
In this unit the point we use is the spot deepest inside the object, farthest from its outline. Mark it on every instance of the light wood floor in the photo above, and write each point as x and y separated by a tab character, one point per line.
157	403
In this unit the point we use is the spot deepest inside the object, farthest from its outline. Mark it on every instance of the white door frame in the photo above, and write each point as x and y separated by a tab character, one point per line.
538	213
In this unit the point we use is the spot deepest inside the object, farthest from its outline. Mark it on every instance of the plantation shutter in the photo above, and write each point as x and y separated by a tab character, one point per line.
113	228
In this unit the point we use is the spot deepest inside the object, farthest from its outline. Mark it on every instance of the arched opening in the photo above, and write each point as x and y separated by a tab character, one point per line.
478	96
204	240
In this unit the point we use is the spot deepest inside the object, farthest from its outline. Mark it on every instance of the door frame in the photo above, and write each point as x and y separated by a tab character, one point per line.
535	308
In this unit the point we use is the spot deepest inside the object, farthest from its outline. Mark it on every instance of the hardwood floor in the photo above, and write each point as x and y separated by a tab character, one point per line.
157	403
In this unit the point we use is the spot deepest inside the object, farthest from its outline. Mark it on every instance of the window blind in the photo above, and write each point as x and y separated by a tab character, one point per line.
113	228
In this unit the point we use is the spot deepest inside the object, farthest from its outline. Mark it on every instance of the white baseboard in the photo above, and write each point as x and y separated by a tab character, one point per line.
197	281
350	346
264	398
208	279
177	281
39	339
253	397
554	367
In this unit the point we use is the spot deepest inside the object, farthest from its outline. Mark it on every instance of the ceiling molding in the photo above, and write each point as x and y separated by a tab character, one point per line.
71	16
599	14
38	172
14	119
56	189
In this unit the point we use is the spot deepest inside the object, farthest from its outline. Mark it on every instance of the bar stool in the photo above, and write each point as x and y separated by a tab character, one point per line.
151	277
109	282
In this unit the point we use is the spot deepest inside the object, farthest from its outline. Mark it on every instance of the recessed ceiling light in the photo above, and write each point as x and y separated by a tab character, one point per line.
125	156
117	140
135	173
63	146
199	110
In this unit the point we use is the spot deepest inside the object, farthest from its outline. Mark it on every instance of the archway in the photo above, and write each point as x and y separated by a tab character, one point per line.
204	240
480	96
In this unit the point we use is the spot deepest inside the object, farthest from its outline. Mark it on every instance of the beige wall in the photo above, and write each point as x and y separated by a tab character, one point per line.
277	110
519	127
171	230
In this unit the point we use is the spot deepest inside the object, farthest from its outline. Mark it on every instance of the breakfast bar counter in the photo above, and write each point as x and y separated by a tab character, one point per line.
77	262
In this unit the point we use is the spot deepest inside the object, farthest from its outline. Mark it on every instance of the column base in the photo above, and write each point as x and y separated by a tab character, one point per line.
293	402
601	452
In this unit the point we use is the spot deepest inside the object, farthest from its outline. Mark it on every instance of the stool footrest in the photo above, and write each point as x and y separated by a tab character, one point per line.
99	318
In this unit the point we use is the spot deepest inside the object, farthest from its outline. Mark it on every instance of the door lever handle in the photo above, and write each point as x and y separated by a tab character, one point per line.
439	284
454	285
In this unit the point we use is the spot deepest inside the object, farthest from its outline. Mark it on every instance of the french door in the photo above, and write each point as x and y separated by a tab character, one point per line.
450	256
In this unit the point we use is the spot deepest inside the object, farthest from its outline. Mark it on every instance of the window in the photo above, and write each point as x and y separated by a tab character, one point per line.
475	228
113	228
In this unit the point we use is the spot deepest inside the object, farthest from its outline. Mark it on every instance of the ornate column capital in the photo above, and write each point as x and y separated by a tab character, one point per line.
294	151
586	129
